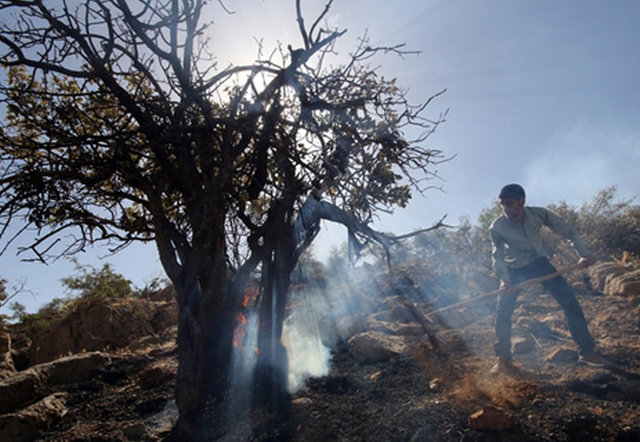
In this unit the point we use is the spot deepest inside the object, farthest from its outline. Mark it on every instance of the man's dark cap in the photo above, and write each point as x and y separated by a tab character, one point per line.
512	191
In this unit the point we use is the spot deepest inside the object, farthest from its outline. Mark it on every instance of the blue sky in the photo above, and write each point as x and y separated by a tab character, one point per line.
542	93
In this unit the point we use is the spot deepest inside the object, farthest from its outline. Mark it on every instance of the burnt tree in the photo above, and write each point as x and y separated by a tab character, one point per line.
118	129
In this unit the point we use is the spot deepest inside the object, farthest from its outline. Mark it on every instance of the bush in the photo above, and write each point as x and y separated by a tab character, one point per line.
98	284
611	227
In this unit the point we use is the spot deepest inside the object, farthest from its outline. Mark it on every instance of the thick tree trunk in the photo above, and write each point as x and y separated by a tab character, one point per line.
208	310
272	368
205	342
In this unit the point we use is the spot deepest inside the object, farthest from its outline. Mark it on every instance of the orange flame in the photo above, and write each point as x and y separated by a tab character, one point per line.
240	330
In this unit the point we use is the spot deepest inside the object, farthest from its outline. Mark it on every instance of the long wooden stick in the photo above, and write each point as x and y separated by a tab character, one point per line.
518	286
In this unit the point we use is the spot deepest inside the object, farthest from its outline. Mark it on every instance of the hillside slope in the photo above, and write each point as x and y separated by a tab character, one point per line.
434	385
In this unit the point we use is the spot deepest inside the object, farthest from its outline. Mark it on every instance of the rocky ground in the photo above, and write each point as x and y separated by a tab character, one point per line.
448	393
428	385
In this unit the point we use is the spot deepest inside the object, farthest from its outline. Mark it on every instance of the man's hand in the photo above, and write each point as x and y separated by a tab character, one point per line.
506	287
586	261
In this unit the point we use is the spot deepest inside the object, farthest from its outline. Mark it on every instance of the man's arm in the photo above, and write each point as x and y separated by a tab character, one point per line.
497	256
562	228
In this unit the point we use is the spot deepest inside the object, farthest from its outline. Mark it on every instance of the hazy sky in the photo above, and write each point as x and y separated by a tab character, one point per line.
542	93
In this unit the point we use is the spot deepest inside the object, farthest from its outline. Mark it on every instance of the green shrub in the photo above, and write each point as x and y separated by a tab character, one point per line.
610	226
91	283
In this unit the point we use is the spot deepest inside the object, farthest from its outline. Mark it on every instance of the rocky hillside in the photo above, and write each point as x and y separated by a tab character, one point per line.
397	372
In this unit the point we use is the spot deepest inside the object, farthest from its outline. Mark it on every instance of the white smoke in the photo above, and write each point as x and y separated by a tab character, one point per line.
308	356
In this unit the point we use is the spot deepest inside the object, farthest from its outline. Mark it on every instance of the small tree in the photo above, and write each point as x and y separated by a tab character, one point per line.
91	283
19	311
119	129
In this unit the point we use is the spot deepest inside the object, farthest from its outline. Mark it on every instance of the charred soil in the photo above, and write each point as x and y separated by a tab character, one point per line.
438	390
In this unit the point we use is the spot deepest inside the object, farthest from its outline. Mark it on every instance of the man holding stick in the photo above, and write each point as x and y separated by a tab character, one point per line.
518	255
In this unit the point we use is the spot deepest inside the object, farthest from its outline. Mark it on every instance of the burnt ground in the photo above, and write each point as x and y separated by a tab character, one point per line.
423	394
427	395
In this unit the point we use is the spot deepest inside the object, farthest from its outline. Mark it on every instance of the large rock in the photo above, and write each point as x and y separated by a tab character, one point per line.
76	368
375	346
19	390
600	271
99	325
33	384
31	422
349	326
625	284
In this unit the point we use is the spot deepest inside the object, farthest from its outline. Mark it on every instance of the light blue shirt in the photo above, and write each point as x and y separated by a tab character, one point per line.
515	246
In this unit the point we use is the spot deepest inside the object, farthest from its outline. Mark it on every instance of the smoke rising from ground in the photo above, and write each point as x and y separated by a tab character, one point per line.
368	296
308	356
324	312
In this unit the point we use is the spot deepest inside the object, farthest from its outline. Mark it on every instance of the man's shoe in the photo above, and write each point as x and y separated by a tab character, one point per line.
504	366
595	359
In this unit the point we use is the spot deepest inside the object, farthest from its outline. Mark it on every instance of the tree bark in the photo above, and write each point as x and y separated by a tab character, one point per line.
203	385
208	305
272	368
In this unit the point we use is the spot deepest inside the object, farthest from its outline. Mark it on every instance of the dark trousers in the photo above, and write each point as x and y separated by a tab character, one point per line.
559	289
